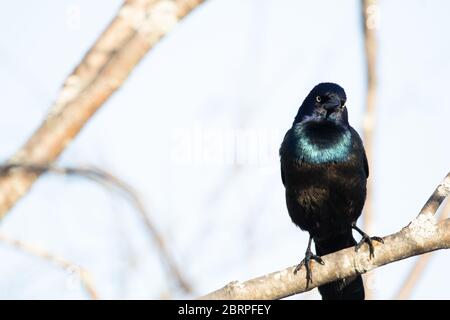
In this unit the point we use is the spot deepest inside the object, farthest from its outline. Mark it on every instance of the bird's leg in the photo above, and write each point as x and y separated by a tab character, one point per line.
306	261
366	239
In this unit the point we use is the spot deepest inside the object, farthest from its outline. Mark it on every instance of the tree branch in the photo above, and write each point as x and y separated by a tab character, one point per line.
85	276
137	27
421	235
109	180
417	270
370	21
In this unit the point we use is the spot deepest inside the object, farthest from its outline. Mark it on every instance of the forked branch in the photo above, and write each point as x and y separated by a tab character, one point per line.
421	235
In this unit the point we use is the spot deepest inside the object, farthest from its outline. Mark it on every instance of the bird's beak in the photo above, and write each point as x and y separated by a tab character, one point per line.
332	104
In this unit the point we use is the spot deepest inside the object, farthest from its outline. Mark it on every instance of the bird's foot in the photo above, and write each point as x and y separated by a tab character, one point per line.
368	240
306	262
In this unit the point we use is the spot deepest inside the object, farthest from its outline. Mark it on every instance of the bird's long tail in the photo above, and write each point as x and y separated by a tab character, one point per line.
344	289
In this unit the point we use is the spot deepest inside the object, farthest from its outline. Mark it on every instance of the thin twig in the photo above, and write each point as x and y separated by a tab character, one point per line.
85	277
422	235
137	27
370	20
107	179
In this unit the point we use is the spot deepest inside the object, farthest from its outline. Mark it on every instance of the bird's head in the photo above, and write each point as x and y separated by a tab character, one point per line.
325	102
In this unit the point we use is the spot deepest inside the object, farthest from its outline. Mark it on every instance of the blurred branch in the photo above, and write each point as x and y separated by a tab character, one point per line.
422	235
137	27
85	277
370	19
419	267
107	179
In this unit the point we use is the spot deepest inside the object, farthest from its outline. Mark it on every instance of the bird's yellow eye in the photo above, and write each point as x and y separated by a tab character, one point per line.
318	99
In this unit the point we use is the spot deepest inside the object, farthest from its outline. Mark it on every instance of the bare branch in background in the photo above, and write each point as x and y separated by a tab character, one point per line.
85	277
370	19
137	27
421	235
107	179
417	270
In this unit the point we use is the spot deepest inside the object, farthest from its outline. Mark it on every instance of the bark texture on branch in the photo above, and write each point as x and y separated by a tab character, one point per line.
422	235
137	27
420	265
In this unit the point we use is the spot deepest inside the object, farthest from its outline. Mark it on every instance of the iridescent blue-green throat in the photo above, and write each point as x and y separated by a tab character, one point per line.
324	145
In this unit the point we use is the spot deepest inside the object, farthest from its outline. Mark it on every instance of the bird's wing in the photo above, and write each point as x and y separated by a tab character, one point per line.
282	153
366	164
360	146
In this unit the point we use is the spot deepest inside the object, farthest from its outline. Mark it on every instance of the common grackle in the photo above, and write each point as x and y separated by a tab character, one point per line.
324	170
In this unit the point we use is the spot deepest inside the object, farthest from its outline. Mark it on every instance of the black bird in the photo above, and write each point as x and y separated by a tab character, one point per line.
324	170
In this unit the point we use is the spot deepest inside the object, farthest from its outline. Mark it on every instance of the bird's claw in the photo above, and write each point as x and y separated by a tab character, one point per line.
366	239
369	240
306	262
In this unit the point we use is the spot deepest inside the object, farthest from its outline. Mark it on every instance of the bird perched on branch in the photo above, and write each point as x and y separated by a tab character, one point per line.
324	170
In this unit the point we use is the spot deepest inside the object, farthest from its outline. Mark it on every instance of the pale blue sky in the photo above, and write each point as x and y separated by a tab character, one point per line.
232	70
